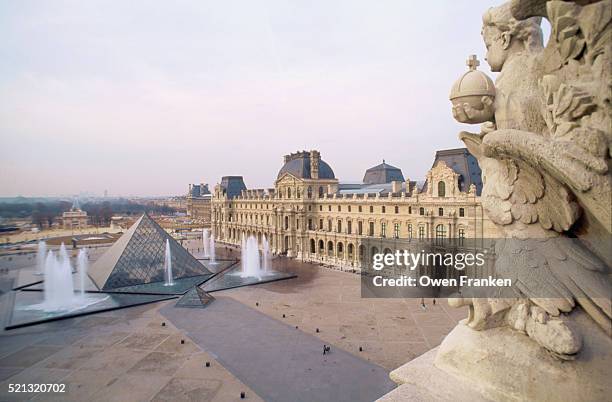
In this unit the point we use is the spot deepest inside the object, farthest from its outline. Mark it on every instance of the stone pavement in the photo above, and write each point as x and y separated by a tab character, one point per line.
279	362
390	332
121	355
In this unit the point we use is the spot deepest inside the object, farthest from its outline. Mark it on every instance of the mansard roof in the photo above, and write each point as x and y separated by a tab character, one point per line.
464	164
383	173
298	165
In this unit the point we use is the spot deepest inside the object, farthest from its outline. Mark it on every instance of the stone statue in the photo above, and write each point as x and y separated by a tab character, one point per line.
544	150
544	153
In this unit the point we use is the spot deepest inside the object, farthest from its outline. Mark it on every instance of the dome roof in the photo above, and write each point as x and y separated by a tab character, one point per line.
383	173
298	165
473	82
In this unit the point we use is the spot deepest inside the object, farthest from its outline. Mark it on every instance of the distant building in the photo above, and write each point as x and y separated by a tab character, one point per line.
311	215
75	218
198	203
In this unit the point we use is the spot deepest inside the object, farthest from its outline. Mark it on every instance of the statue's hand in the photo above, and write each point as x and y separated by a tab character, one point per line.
487	127
465	113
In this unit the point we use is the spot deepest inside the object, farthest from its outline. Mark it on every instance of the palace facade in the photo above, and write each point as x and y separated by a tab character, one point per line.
198	203
310	215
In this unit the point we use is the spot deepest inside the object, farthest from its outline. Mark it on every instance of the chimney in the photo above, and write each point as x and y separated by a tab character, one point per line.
396	186
315	156
287	158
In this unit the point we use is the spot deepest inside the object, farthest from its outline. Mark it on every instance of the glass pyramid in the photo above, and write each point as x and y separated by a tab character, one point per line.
196	298
139	258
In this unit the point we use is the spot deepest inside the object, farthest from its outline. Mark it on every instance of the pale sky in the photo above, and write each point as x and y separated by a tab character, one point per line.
145	97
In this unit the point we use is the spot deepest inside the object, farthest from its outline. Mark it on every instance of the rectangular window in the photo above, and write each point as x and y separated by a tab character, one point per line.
421	232
320	207
383	229
410	231
329	208
349	227
339	208
383	209
339	226
360	209
409	210
309	224
329	225
421	211
320	224
396	209
396	229
349	208
440	211
371	229
461	212
297	224
371	209
360	228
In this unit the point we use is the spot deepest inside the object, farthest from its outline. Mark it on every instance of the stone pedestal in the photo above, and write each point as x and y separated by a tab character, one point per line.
504	365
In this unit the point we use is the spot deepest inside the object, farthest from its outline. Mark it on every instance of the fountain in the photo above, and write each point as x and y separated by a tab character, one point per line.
206	242
82	265
266	257
58	286
211	249
168	265
41	254
251	261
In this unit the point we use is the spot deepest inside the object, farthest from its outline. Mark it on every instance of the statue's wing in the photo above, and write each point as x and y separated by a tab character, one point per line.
555	274
534	195
568	163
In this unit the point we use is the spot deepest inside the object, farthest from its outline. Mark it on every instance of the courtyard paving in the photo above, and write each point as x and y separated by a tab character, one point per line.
127	354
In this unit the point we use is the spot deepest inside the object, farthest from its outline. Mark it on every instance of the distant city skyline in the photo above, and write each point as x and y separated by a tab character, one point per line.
143	98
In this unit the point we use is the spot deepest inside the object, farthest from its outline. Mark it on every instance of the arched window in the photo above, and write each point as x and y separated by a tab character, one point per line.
340	249
312	246
441	189
330	248
321	246
309	191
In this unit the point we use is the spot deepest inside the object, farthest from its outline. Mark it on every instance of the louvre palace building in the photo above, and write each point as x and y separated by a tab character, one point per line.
312	216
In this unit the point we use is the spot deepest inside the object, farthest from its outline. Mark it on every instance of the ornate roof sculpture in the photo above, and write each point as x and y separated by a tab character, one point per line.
464	164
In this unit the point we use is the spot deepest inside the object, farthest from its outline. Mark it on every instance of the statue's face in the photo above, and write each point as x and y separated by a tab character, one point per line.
497	47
